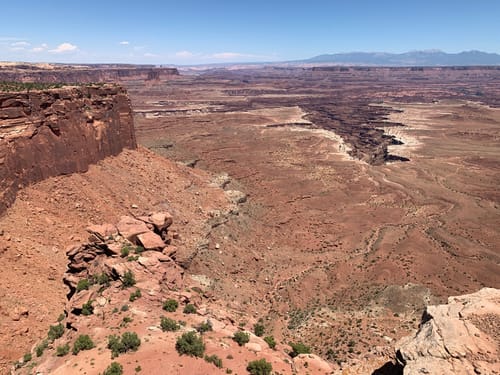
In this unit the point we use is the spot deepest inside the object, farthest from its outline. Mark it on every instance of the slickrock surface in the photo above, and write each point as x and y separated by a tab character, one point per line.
461	337
59	131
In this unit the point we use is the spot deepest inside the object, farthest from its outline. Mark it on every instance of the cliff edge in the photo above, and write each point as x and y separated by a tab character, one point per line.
59	131
461	337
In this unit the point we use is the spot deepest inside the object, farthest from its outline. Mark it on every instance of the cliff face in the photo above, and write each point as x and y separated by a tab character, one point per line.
84	74
462	337
61	131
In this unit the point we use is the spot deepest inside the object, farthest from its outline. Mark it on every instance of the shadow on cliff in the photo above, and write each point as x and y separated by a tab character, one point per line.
389	368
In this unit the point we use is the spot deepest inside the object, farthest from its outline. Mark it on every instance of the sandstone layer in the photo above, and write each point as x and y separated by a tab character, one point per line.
461	337
59	131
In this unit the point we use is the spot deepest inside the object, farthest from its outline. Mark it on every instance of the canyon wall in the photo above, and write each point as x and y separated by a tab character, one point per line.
59	131
85	74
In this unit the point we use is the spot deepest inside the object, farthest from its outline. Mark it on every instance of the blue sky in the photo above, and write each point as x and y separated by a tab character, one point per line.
192	32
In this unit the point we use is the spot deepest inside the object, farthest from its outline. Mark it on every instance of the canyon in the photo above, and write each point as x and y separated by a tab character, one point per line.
332	204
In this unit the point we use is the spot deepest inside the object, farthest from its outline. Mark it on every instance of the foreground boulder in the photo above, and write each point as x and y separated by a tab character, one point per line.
461	337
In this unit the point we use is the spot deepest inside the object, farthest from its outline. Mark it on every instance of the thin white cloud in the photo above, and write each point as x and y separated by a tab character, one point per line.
20	44
184	54
124	43
42	47
229	55
64	47
148	54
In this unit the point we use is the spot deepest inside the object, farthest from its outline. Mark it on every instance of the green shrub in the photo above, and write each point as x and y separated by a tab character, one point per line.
299	348
128	342
83	284
62	350
83	342
113	369
170	305
189	309
61	317
258	329
41	347
126	320
190	344
168	325
259	367
128	279
125	251
27	357
270	341
87	308
241	337
101	279
124	308
55	332
135	295
204	327
214	359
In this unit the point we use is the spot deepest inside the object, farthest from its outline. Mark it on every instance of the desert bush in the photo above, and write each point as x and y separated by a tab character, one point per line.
128	342
170	305
270	341
258	329
241	337
190	344
41	347
128	279
55	332
135	295
259	367
125	251
27	357
62	350
83	342
189	309
113	369
168	325
299	348
83	284
214	359
87	308
204	327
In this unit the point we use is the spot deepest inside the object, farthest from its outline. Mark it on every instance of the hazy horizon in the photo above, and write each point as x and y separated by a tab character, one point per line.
193	32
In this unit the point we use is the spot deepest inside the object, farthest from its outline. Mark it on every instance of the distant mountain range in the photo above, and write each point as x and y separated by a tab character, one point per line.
413	58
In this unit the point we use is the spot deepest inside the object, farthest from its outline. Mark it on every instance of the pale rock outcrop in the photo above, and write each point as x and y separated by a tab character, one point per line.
461	337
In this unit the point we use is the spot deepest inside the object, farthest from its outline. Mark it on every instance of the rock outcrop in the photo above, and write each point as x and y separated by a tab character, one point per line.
462	337
59	131
84	74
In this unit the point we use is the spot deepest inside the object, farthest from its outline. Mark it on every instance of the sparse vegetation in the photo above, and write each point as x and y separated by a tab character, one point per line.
135	295
83	342
62	350
55	332
204	327
258	329
27	357
125	251
168	325
83	284
124	308
114	369
87	308
40	348
270	341
128	279
259	367
190	344
241	337
189	309
128	342
28	86
170	305
214	359
299	348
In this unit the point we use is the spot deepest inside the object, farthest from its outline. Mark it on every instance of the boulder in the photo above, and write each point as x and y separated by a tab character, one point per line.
130	228
102	231
461	337
151	241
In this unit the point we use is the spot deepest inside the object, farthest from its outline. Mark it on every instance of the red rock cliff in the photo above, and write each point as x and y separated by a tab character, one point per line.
59	131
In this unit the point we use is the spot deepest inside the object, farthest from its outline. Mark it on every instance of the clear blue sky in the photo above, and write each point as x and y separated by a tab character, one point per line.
190	32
